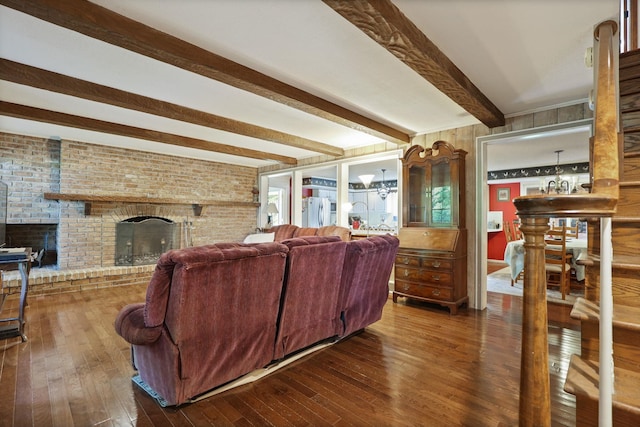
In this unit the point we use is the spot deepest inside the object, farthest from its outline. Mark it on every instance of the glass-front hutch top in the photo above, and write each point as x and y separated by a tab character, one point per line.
434	186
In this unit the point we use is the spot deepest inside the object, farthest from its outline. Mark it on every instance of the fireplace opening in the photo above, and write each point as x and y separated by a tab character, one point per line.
41	238
141	240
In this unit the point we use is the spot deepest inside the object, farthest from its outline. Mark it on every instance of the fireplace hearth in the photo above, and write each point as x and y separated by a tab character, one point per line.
141	240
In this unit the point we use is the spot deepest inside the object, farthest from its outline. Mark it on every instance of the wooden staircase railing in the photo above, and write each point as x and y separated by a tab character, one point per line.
584	377
535	212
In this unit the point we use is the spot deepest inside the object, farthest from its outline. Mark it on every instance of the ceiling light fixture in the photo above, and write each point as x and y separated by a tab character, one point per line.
384	190
366	180
559	185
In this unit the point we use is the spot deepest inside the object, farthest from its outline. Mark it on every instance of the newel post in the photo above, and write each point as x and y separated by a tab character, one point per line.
535	399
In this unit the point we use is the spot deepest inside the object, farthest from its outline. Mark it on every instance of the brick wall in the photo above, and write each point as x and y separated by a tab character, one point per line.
32	166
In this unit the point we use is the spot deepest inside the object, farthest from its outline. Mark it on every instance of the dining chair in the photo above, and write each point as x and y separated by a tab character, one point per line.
517	233
508	232
572	231
557	260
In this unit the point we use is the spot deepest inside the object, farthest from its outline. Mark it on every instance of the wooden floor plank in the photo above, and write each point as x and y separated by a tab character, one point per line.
8	380
417	366
303	396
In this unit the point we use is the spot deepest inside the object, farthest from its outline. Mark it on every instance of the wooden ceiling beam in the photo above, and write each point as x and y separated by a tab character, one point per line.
47	116
55	82
383	22
103	24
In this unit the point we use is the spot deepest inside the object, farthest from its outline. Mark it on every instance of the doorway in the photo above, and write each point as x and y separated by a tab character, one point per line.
519	149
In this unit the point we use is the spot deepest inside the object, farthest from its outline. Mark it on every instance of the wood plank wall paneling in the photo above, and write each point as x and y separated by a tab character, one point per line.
417	366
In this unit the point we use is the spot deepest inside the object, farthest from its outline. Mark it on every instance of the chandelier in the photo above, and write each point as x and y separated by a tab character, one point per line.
558	185
383	189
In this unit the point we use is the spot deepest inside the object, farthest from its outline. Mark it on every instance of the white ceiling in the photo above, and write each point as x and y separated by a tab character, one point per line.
522	55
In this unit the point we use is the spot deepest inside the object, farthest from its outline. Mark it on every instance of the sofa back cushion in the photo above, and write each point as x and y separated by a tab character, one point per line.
305	231
221	306
283	232
159	286
309	308
365	281
335	230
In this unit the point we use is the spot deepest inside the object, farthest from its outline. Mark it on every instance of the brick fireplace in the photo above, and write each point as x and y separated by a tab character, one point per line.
82	242
141	240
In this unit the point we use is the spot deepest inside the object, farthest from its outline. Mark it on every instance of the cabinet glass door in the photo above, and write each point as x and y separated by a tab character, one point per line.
440	197
433	188
418	201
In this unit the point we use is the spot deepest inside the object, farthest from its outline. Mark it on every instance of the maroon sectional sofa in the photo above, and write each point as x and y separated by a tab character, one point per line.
214	313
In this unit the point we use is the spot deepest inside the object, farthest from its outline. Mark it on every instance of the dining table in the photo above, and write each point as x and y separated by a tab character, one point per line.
514	256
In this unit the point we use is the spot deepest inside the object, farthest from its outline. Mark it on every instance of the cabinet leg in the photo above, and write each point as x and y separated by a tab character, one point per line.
394	297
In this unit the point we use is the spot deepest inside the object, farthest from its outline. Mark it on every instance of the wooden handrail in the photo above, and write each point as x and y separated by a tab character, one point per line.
535	212
606	128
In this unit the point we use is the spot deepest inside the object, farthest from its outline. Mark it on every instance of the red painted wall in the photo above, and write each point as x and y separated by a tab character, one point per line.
497	242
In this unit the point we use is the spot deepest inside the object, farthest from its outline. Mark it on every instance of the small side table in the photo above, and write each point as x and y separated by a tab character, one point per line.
15	325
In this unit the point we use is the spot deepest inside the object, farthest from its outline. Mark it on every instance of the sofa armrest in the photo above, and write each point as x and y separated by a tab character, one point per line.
130	326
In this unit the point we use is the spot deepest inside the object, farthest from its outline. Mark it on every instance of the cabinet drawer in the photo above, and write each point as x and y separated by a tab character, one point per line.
440	278
415	261
423	291
411	261
437	264
437	239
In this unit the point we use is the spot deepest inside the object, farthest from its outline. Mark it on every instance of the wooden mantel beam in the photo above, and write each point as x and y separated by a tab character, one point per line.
382	21
31	113
103	24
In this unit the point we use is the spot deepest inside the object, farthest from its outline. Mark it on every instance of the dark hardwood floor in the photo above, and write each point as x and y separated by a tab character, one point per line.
417	366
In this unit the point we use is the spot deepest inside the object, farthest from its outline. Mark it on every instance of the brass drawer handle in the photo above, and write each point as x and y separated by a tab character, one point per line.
405	260
405	287
436	264
436	278
436	292
406	273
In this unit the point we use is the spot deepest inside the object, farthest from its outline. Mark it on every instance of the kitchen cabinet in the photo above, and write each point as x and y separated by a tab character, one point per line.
379	205
431	264
361	197
327	194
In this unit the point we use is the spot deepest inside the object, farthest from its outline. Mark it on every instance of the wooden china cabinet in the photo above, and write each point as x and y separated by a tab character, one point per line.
431	264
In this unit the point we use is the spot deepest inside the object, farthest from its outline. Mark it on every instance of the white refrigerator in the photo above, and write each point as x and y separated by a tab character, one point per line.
317	212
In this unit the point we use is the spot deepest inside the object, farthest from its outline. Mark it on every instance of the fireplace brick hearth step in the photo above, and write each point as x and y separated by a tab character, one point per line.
44	281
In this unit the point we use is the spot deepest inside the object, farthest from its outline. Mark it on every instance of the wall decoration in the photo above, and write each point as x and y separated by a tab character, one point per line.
538	171
504	194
